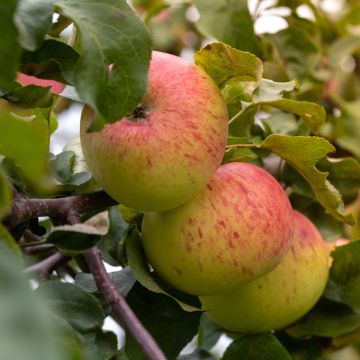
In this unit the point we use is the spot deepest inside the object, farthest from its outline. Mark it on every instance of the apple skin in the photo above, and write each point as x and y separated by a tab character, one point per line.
55	87
282	296
158	162
237	229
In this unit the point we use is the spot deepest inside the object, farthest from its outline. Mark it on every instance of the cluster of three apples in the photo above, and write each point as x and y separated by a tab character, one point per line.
213	231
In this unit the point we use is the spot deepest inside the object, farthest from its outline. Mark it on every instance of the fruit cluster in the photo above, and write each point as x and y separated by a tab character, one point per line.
225	233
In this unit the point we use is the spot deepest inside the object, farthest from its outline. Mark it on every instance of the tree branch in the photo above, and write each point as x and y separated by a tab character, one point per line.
26	209
121	310
45	267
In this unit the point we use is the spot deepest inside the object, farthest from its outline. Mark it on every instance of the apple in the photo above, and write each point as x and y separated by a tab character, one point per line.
55	86
282	296
237	229
167	151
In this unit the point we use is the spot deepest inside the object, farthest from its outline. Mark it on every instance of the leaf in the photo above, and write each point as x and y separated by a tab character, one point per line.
62	165
79	308
341	47
5	195
228	65
33	19
238	154
209	333
73	239
171	327
6	238
344	283
198	354
100	345
302	153
27	97
9	49
109	33
140	269
328	319
256	347
53	60
30	150
124	280
112	244
269	90
25	329
228	21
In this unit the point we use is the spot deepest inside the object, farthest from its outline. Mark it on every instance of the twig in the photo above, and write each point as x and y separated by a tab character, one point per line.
121	310
26	209
35	249
45	267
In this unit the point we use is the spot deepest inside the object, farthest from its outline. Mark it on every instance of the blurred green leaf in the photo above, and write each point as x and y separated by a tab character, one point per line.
269	90
79	308
5	195
302	153
171	327
228	21
33	20
73	239
9	49
53	60
26	142
106	29
256	347
25	329
343	47
198	354
124	280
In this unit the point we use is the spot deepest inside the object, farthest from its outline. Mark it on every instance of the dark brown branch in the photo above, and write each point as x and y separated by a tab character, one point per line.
26	209
45	268
121	310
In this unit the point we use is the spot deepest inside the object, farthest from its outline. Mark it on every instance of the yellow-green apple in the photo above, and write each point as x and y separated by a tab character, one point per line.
237	229
168	150
282	296
55	86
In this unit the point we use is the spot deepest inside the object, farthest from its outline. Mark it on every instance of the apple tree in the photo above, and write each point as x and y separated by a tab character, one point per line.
216	171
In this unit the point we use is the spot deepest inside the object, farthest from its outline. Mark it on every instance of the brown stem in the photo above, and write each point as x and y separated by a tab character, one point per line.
121	310
45	267
26	209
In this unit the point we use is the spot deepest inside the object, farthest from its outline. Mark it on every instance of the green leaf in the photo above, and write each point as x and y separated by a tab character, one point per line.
209	333
140	269
62	165
30	150
228	21
312	113
344	284
5	195
171	327
100	345
53	60
302	153
229	66
25	329
198	354
297	50
109	33
7	239
27	97
342	47
327	318
256	347
33	19
112	244
124	280
74	239
9	49
238	154
79	308
269	90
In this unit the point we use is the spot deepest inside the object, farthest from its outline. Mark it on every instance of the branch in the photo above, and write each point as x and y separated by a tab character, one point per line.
45	267
121	310
25	209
